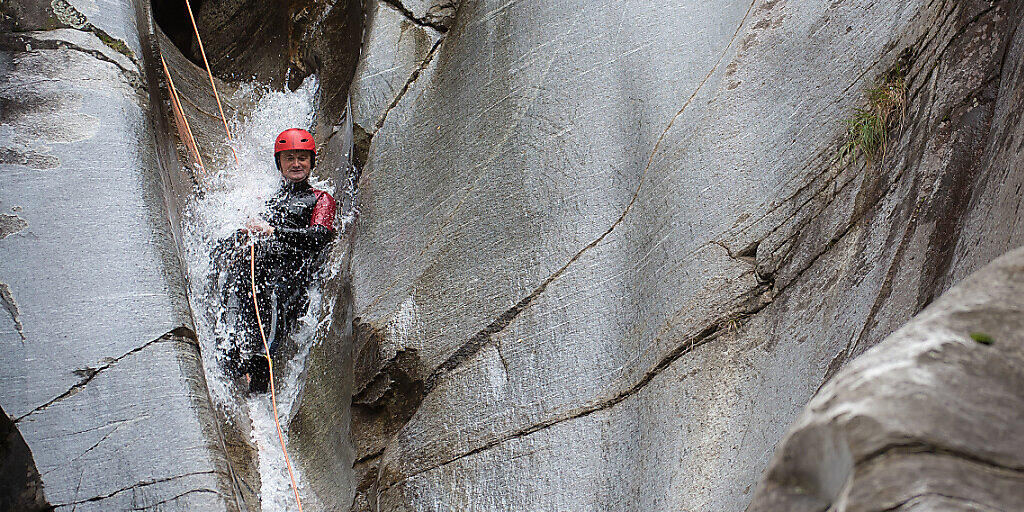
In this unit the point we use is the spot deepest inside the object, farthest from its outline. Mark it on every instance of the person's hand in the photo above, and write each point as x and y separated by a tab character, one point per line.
258	225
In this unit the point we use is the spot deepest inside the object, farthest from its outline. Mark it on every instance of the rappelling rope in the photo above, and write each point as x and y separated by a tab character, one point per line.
252	269
270	366
184	130
212	84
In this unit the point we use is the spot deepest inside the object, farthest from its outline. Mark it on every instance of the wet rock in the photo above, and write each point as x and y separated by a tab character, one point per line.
319	429
243	39
929	417
604	275
274	43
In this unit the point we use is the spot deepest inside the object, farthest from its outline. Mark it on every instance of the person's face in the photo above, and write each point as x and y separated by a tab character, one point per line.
295	164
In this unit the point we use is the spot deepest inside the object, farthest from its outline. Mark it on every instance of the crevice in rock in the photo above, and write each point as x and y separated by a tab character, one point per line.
368	458
921	447
94	446
408	83
179	496
755	301
361	140
68	15
146	483
12	308
21	487
910	501
746	255
180	335
397	5
133	77
478	340
384	401
501	356
365	498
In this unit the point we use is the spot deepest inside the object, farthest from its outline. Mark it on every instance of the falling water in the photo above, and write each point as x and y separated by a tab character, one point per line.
233	195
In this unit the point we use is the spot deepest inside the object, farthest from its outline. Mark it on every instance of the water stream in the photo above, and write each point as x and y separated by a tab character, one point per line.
232	195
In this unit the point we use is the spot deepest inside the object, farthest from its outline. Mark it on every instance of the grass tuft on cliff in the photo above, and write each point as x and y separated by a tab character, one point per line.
869	128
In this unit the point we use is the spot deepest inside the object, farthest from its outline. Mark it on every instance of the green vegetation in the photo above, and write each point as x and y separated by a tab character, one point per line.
116	44
982	338
869	129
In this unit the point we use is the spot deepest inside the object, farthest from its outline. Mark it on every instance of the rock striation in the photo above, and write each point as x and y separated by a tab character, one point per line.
607	252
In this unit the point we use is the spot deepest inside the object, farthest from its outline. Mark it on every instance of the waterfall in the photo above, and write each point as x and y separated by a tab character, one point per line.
231	196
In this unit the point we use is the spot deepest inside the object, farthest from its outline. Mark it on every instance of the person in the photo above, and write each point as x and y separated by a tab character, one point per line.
289	243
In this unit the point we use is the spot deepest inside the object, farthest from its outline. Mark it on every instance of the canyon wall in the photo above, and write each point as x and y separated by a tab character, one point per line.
100	364
608	250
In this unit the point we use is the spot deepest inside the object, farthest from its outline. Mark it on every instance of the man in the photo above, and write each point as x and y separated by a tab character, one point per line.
289	247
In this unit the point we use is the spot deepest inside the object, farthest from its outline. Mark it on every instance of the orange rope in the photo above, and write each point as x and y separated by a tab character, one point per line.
184	130
270	366
212	84
252	269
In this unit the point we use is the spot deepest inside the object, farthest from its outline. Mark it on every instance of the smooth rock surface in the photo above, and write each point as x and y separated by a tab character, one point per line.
607	250
99	365
394	50
932	414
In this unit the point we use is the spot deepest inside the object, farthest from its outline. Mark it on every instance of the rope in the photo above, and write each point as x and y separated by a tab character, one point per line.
270	366
212	84
184	130
252	268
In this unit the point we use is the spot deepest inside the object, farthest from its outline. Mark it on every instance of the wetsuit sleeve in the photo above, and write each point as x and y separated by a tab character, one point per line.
323	212
320	230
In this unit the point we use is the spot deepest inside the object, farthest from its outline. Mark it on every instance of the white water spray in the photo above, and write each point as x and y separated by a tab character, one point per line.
233	195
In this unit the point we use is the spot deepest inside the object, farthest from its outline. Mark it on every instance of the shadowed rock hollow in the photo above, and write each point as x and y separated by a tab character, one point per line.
607	251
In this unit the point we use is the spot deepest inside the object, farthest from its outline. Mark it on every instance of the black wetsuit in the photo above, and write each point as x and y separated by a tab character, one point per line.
286	263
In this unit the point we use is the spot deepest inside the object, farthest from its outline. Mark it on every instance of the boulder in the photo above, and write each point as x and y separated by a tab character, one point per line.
930	419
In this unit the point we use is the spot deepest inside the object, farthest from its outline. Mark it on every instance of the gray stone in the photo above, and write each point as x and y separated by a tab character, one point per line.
394	48
99	364
607	251
933	412
622	248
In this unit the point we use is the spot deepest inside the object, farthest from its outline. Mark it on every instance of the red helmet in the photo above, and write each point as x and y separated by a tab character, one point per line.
293	138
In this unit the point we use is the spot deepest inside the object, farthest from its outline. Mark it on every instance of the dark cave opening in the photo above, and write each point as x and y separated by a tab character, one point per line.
274	43
172	18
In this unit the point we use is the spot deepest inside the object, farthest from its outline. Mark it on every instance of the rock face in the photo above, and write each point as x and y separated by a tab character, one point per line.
99	361
928	420
608	250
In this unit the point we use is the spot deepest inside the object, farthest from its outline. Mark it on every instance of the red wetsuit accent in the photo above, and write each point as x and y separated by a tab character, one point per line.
323	212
